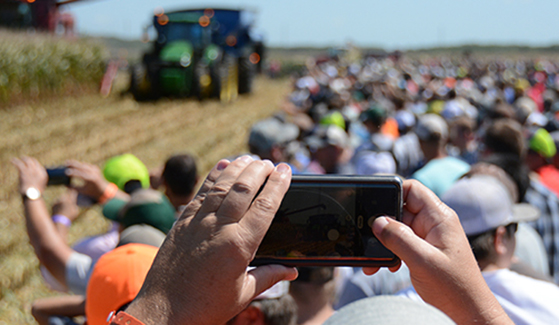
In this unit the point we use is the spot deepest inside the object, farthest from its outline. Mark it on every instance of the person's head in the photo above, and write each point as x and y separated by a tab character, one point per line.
373	118
313	284
116	280
327	144
405	120
269	138
146	206
462	132
126	171
180	177
432	132
489	218
273	307
504	136
372	163
541	148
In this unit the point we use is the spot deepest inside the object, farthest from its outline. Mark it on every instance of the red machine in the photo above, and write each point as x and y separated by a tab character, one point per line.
42	15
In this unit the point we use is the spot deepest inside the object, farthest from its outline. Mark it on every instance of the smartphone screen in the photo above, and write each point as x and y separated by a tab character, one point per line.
57	176
326	220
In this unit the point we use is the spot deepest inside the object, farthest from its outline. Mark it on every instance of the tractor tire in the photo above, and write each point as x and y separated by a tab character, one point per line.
246	75
232	79
139	84
216	79
201	83
224	78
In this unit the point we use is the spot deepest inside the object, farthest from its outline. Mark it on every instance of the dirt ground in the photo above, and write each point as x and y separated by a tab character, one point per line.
92	129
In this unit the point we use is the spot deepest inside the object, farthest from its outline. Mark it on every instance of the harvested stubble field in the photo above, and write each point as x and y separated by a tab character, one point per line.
92	129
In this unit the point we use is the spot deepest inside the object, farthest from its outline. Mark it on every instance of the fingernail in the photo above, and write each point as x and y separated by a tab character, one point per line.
268	162
282	168
379	224
222	164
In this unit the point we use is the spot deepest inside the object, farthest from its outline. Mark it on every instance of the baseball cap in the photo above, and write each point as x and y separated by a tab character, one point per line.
325	135
141	234
386	310
405	119
146	206
541	142
272	131
375	113
430	127
116	280
483	203
334	118
371	163
124	168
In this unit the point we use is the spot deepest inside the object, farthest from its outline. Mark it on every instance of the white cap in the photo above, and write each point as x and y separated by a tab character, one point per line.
483	203
430	125
371	163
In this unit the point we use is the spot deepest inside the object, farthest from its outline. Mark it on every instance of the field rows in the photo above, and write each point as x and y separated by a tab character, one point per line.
93	129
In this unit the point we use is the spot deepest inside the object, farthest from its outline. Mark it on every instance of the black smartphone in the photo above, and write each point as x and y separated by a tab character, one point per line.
326	221
57	176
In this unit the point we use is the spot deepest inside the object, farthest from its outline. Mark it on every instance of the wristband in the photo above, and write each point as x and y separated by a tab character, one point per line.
62	219
109	193
122	318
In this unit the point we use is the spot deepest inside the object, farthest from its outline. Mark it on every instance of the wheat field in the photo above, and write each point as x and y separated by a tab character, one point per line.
91	128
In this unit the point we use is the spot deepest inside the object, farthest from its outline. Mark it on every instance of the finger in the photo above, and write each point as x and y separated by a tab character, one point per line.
72	195
18	163
402	241
257	220
196	203
371	270
242	192
264	277
222	185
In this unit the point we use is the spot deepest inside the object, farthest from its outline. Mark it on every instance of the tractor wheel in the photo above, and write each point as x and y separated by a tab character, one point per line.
202	81
216	79
224	78
232	79
139	84
246	75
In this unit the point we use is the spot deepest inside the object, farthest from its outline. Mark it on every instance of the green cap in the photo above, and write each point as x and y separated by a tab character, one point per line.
146	206
375	113
334	118
124	168
542	143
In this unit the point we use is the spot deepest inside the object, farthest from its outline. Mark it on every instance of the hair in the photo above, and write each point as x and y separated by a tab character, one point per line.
279	311
482	244
505	136
180	174
514	168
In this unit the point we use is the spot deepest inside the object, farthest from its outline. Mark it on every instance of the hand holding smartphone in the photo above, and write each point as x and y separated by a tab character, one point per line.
326	221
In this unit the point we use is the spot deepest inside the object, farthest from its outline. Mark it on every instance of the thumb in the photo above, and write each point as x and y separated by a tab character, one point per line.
263	277
402	241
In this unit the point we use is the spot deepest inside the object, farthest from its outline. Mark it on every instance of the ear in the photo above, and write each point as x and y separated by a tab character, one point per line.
501	241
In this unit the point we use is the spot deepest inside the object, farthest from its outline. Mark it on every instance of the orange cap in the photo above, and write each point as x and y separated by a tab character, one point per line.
116	280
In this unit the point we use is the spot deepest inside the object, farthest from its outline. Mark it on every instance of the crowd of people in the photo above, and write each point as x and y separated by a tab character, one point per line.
479	135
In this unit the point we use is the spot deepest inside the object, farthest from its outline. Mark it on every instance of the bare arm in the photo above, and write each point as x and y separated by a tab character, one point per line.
51	250
69	306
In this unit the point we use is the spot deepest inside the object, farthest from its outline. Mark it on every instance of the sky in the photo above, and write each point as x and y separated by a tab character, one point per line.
388	24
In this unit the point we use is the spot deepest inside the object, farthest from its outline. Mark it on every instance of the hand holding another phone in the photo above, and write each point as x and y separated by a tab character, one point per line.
443	270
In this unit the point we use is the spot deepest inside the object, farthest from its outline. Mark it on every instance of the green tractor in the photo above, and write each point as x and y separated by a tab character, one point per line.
196	54
183	62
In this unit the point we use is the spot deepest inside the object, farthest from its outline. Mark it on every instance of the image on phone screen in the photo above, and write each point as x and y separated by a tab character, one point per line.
330	223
